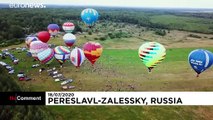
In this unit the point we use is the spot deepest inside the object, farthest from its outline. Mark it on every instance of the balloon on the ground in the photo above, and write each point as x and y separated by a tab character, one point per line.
28	40
36	47
53	29
46	56
44	36
200	60
62	53
69	39
92	51
151	53
77	57
68	27
89	16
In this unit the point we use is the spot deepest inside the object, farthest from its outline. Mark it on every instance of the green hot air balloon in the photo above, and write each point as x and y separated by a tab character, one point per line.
151	53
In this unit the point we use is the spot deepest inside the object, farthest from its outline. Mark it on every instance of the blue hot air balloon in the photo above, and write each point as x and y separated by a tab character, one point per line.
89	16
200	60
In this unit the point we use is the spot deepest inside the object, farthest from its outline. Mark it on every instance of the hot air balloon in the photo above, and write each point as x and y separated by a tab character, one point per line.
200	60
69	39
151	53
92	51
68	27
28	40
53	29
77	57
62	54
36	47
46	56
89	16
44	36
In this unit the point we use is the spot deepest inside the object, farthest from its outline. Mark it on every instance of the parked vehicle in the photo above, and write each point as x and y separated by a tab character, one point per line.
66	82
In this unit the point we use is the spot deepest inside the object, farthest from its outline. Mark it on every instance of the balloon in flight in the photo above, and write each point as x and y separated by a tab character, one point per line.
36	47
151	53
89	16
69	39
44	36
53	29
62	53
77	57
46	56
200	60
68	27
92	51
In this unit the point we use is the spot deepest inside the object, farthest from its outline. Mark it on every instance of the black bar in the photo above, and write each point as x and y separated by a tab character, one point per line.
22	98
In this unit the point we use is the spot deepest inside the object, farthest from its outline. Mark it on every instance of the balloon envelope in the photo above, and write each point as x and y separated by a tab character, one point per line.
36	47
68	27
62	54
77	57
69	39
44	36
53	29
200	60
46	56
28	40
92	51
151	53
89	16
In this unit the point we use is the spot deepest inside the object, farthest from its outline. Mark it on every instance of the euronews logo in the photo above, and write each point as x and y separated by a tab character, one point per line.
27	5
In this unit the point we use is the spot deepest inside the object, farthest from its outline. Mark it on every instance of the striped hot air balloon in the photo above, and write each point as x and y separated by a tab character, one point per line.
151	53
46	56
200	60
89	16
36	47
53	29
68	27
62	54
69	39
77	57
92	51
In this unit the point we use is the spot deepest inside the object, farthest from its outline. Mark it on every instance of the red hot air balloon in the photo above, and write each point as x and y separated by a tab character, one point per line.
44	36
92	51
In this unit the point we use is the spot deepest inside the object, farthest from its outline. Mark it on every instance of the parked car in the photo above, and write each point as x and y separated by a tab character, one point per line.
11	71
35	66
57	76
21	78
66	87
66	82
21	74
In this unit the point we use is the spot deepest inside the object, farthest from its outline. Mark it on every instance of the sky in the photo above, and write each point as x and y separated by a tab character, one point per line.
125	3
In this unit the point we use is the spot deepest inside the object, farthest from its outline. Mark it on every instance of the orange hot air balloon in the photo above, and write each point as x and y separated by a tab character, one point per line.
92	51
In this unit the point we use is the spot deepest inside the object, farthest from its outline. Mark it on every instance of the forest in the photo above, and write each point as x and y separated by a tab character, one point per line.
17	23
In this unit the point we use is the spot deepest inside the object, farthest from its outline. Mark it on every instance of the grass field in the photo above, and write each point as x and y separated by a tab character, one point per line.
120	67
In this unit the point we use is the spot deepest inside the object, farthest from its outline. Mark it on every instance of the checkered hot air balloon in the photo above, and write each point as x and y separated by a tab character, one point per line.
200	60
46	56
89	16
92	51
36	47
77	57
62	54
69	39
68	27
151	53
53	29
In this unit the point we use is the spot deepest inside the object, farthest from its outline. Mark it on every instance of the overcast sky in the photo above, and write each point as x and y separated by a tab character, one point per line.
125	3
